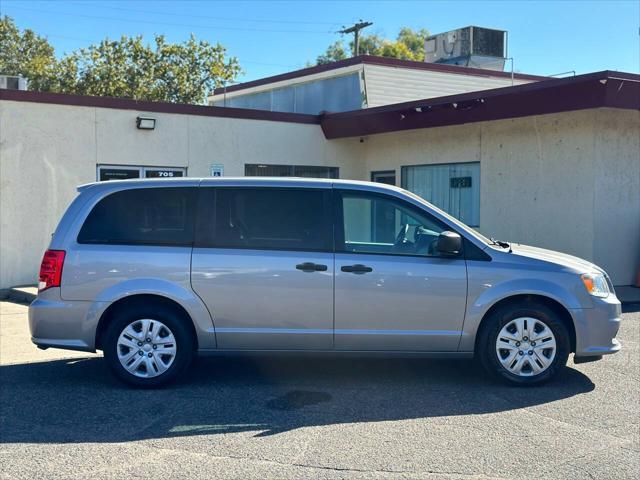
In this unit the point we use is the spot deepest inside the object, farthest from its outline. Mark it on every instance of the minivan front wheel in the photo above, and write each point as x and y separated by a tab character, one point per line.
524	345
148	347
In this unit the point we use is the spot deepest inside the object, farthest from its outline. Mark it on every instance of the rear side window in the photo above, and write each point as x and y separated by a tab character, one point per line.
144	216
265	218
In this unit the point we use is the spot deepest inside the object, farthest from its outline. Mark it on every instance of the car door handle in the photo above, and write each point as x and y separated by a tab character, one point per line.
357	268
311	267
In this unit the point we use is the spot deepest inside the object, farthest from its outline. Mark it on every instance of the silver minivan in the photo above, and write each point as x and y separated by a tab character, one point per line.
153	272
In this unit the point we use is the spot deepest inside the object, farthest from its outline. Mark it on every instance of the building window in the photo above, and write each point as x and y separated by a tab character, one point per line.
335	94
453	187
307	171
122	172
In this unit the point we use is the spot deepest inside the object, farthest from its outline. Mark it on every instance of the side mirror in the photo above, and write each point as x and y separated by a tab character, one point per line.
449	243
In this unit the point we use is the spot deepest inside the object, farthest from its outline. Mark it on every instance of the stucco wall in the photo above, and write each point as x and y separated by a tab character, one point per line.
47	150
567	181
44	154
617	192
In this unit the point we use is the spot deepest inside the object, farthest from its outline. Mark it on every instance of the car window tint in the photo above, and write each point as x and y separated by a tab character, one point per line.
381	224
145	216
265	218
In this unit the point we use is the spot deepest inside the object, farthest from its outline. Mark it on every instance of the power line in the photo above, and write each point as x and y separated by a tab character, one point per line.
151	22
208	17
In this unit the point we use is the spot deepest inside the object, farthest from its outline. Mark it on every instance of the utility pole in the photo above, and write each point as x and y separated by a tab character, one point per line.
355	29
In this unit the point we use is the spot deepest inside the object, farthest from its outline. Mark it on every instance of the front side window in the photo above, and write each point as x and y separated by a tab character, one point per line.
142	216
380	224
265	218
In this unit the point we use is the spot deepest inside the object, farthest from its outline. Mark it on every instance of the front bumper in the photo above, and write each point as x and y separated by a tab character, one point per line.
70	325
597	327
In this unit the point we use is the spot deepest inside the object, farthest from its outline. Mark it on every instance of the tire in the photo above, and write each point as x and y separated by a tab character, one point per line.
523	362
164	358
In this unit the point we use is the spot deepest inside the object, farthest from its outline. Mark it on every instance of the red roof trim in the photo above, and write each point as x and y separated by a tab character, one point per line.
383	61
594	90
160	107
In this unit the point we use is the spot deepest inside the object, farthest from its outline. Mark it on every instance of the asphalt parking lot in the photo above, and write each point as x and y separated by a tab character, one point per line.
63	416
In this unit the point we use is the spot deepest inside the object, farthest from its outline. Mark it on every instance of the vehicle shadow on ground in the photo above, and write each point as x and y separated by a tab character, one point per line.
71	401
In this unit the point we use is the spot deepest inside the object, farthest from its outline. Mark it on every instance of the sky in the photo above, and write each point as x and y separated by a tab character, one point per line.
271	37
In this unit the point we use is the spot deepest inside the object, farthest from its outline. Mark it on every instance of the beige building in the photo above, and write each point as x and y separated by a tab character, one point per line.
553	163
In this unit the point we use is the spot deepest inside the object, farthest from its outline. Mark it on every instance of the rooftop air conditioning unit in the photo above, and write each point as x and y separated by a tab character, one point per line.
11	82
470	47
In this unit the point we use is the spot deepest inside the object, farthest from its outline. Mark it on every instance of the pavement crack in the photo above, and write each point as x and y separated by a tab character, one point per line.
531	411
329	468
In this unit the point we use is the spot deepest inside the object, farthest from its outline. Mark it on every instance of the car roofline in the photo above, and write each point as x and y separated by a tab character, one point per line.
285	182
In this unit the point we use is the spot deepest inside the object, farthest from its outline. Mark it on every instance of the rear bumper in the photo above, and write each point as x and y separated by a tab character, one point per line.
596	328
78	345
63	324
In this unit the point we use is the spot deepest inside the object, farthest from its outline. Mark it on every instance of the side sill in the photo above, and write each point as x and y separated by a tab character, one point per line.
333	353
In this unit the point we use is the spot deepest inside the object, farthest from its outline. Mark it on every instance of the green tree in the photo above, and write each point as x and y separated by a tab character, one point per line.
169	72
334	53
26	54
369	45
408	45
414	41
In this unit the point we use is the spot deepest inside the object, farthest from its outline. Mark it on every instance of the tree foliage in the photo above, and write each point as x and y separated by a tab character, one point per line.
408	45
170	72
26	54
182	73
334	53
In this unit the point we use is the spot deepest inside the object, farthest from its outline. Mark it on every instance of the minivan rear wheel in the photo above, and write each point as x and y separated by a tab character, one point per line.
148	346
524	344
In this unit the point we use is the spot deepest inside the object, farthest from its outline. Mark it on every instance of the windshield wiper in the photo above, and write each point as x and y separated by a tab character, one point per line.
501	243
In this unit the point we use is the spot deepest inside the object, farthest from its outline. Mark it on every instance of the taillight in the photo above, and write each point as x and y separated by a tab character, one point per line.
51	269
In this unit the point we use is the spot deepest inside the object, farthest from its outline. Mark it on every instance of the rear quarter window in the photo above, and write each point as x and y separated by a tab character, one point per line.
143	216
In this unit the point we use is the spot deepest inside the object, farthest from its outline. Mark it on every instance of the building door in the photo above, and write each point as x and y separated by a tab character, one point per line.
398	294
263	264
385	176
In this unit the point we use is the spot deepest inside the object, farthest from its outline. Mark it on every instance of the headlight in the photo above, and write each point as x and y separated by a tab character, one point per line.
596	284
